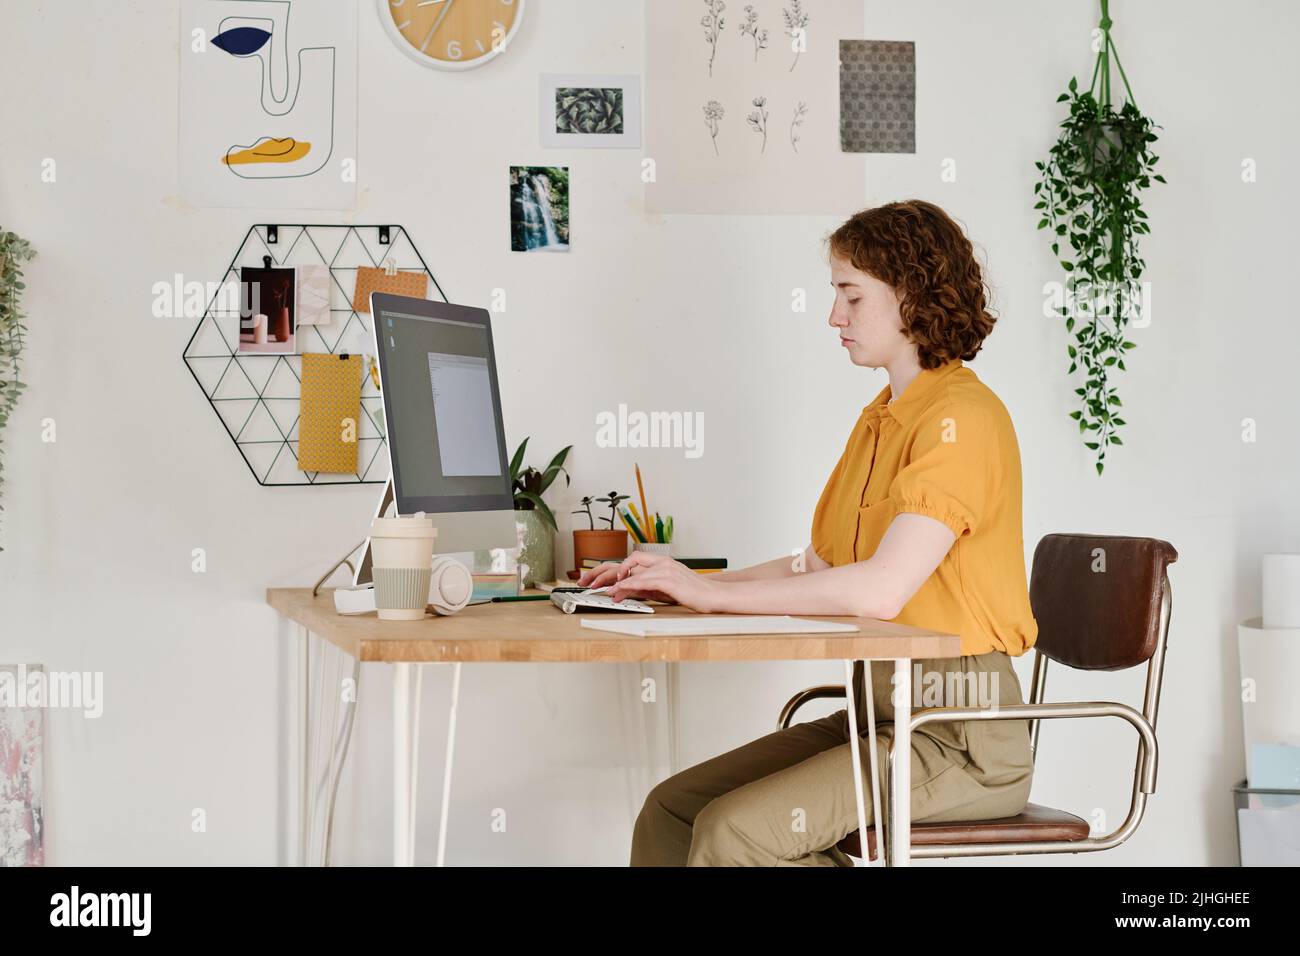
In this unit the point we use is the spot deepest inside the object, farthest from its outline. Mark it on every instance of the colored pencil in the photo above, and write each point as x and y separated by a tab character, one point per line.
631	526
644	510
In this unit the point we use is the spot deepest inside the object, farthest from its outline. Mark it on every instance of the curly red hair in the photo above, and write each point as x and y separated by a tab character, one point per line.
918	249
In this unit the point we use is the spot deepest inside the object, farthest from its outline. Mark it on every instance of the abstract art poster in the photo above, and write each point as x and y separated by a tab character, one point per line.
268	103
742	107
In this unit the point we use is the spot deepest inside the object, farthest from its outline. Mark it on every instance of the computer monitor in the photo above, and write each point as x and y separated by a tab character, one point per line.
442	416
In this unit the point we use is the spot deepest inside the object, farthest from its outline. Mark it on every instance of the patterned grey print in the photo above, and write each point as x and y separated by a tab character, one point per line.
877	96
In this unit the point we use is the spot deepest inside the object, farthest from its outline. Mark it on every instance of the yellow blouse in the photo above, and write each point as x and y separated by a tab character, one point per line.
945	448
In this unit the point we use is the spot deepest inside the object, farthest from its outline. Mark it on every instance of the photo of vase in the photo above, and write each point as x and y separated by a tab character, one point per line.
266	310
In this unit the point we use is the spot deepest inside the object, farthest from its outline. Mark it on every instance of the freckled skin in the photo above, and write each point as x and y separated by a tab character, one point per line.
866	311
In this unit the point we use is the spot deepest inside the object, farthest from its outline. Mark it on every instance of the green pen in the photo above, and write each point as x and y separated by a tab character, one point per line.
659	528
523	597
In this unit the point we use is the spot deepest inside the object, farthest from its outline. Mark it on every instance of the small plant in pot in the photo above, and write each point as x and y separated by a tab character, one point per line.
534	518
601	544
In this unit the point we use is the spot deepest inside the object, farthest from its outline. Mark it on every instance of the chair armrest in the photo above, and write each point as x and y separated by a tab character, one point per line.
803	697
1147	747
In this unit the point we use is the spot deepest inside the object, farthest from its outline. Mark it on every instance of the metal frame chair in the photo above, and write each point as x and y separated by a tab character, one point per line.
1091	622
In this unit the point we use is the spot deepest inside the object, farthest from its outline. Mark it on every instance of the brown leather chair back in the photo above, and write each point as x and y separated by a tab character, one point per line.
1097	598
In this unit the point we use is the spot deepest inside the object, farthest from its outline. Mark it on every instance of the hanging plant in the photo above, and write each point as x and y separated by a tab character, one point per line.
1089	196
14	251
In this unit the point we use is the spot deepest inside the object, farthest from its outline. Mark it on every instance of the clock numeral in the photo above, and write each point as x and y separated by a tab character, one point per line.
453	50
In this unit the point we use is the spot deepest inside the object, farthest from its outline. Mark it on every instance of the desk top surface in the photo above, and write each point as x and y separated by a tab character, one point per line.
537	631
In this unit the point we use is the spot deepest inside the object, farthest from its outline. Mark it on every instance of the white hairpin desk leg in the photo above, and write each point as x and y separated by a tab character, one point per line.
406	717
301	741
446	769
900	800
855	752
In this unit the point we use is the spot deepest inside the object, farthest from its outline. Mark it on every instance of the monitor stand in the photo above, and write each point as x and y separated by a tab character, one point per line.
362	575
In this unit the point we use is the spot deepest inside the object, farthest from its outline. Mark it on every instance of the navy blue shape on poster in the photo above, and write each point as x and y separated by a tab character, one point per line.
241	41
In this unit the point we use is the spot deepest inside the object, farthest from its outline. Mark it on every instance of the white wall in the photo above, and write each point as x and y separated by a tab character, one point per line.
99	526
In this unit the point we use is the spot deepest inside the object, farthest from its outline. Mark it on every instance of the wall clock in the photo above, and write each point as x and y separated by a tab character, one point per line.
452	34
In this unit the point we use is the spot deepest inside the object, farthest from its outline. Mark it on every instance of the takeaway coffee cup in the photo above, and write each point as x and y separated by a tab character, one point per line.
401	552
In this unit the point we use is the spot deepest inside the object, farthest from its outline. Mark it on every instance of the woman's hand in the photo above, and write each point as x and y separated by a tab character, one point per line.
660	578
600	575
607	574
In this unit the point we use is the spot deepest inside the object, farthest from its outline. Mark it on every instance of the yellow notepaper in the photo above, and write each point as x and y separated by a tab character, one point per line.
329	415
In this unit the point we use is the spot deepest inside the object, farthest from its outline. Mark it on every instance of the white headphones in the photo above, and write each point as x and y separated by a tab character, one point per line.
450	586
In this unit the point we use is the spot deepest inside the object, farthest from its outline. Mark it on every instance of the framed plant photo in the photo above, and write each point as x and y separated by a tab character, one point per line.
590	110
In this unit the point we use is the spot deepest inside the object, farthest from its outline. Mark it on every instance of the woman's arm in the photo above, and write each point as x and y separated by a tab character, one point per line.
878	587
806	560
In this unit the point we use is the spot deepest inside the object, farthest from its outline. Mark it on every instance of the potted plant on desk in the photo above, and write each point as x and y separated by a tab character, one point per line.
601	544
533	517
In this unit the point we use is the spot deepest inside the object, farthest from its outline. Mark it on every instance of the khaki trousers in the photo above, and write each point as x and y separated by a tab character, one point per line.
786	799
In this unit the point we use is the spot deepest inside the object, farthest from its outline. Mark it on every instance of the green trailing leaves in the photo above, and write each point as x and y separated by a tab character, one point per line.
1089	198
14	251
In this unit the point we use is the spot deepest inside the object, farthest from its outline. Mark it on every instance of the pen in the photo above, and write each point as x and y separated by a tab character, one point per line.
523	597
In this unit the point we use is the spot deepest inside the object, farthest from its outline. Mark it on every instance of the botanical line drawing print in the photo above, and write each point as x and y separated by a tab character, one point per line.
750	29
757	120
588	110
713	23
796	20
713	113
800	111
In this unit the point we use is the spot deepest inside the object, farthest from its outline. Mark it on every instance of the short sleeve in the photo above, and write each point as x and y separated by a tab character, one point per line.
822	540
953	471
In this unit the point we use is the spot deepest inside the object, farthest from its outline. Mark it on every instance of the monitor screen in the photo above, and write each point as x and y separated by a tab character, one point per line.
442	406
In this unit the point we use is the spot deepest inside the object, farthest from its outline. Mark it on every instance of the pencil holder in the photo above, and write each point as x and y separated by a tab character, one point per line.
654	547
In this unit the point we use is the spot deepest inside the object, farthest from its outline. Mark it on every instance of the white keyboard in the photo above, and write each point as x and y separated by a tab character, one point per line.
595	600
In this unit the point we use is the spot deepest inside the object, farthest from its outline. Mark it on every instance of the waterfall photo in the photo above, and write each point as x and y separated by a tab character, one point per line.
539	208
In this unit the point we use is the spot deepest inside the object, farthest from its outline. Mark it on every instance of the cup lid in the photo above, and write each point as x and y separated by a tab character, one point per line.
412	526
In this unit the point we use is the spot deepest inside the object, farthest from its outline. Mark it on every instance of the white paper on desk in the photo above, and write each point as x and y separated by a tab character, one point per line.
701	624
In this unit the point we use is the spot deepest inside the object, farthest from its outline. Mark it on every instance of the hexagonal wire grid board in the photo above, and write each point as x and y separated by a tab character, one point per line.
256	396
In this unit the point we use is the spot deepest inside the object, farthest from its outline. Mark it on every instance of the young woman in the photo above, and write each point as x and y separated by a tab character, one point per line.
920	523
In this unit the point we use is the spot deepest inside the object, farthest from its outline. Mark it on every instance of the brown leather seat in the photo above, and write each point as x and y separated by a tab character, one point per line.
1034	824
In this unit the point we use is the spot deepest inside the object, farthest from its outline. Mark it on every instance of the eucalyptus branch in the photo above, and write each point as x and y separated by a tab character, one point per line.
14	251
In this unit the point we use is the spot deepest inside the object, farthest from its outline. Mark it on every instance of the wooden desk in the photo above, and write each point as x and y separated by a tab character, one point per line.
537	632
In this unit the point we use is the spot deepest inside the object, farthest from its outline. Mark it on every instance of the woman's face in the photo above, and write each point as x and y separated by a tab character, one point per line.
866	315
